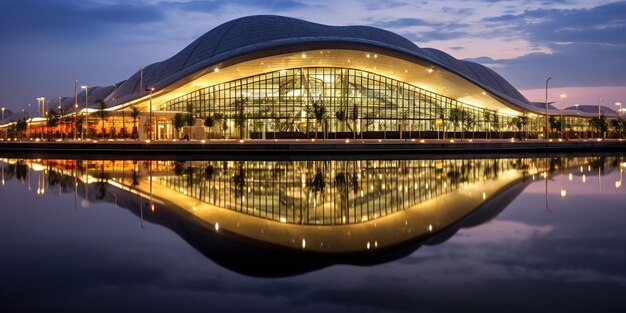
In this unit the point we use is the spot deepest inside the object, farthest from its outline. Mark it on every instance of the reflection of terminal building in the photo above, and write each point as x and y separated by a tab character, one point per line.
278	77
302	215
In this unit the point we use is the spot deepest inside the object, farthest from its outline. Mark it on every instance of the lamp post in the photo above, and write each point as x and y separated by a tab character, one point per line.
599	119
546	121
42	99
75	108
150	124
562	106
5	131
86	109
75	120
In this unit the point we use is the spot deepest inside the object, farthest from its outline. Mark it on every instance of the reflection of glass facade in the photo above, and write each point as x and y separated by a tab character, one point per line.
328	192
352	101
306	192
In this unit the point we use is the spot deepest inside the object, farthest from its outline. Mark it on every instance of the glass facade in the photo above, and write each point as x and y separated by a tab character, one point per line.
318	102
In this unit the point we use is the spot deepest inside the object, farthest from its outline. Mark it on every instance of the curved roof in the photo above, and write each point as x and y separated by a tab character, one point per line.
262	32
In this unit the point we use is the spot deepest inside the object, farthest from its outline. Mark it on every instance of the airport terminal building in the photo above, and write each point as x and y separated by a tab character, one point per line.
265	77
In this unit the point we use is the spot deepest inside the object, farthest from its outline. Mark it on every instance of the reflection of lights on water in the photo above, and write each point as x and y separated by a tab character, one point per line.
618	183
570	176
563	193
584	179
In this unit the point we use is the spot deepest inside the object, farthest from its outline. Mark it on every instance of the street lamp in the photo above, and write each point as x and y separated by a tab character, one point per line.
5	131
82	135
546	121
150	124
562	106
42	99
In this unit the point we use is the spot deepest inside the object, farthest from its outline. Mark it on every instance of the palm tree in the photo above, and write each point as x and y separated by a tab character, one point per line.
616	124
102	112
134	113
320	114
209	122
52	119
456	116
179	122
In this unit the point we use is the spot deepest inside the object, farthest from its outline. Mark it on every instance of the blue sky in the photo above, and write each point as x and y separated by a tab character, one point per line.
46	44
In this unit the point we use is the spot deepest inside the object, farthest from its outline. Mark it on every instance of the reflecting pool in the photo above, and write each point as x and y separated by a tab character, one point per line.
500	234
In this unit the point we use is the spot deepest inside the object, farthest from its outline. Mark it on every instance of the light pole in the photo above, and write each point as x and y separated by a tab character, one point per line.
562	106
75	120
150	124
546	121
599	119
5	131
75	108
86	109
42	99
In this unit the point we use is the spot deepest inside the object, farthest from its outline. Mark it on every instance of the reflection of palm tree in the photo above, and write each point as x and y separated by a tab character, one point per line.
102	183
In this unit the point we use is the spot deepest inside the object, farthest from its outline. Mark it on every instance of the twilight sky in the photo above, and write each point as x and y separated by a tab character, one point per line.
45	45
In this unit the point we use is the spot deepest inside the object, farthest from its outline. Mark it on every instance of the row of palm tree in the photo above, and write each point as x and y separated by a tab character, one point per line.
54	118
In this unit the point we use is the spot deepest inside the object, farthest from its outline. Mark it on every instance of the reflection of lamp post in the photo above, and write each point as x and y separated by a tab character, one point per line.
546	121
562	106
82	135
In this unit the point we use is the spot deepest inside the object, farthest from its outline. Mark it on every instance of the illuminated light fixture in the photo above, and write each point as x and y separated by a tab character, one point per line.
430	227
303	243
484	196
563	193
412	140
347	140
303	56
95	141
379	140
217	226
452	140
484	93
216	69
368	245
283	220
570	176
375	56
147	140
422	141
203	141
367	55
618	184
313	140
241	141
430	70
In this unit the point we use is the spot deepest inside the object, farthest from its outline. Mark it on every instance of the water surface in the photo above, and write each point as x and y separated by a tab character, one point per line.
431	235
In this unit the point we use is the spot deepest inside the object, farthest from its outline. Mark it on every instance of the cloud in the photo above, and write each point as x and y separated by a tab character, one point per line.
66	19
587	45
220	6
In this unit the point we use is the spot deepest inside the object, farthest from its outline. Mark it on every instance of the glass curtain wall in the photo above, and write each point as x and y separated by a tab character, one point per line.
330	102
